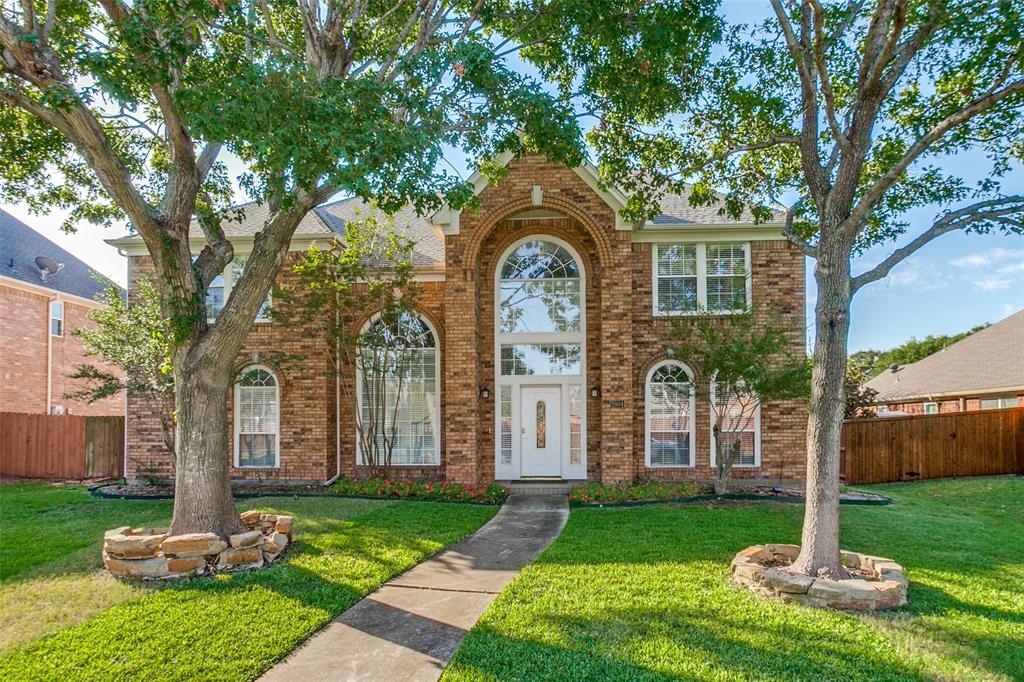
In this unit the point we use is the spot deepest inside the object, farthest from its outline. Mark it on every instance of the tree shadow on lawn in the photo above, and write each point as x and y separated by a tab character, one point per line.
663	644
235	626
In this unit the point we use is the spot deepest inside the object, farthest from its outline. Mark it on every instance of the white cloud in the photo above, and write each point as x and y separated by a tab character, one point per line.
992	283
987	258
1008	269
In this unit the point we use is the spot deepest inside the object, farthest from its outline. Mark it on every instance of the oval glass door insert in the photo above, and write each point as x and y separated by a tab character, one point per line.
542	437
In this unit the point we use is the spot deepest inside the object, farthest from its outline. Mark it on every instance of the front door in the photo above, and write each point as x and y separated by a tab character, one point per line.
541	430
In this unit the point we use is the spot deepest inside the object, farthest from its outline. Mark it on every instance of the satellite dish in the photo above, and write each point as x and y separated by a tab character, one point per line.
48	267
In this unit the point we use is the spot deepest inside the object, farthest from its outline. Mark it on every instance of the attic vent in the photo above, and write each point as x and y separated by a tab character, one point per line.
48	267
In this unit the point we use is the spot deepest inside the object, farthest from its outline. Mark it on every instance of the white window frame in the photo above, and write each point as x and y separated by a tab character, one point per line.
513	471
702	278
757	434
648	399
59	320
932	405
999	402
437	396
238	420
228	274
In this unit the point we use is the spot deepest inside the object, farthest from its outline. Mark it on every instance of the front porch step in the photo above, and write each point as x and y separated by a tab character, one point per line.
542	486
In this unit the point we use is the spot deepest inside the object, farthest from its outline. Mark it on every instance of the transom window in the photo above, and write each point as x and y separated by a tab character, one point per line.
669	420
539	290
689	278
256	418
398	391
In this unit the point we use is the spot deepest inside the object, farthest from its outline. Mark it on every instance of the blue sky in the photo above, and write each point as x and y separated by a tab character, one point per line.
956	282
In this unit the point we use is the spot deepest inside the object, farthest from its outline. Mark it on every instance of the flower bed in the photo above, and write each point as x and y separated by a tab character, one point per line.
591	493
415	489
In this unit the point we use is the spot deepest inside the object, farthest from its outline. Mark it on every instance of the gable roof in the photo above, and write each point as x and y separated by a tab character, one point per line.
987	361
20	245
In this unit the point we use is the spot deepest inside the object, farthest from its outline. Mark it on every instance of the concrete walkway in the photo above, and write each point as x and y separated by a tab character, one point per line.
408	630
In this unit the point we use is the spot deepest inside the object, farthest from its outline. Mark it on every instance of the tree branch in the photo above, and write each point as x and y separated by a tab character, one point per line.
978	106
1008	210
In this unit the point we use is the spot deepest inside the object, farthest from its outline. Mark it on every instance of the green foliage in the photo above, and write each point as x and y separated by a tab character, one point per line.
587	493
874	362
858	396
333	293
421	489
205	628
644	594
134	338
748	362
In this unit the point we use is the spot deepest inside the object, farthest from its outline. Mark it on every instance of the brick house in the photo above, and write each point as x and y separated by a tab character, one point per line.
984	371
39	310
543	325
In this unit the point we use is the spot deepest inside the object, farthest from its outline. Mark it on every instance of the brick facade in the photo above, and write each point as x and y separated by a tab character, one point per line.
27	352
622	340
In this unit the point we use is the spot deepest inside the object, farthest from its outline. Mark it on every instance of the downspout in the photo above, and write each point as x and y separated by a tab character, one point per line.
49	353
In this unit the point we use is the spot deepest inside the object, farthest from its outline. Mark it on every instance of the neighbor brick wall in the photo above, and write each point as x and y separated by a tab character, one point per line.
946	405
23	348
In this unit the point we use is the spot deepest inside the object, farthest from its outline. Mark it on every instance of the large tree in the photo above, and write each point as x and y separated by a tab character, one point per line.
116	109
839	116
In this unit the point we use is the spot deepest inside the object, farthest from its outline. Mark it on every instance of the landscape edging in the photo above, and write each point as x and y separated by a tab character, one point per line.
733	496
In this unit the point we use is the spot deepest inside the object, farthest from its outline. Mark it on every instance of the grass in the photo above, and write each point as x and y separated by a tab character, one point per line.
643	594
65	619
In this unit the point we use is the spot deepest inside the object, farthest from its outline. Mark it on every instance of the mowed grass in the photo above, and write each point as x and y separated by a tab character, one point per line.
643	594
65	619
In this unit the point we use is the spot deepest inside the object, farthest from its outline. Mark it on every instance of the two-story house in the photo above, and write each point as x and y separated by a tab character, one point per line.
544	342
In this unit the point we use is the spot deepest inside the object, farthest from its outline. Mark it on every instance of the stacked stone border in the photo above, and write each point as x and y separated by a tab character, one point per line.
886	590
152	553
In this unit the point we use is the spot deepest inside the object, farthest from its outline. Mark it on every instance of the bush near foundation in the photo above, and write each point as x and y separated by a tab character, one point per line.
588	493
422	489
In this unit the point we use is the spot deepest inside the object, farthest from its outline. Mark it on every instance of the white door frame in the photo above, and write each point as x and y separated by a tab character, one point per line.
513	469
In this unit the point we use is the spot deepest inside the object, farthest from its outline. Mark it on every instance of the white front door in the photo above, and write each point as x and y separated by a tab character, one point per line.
541	430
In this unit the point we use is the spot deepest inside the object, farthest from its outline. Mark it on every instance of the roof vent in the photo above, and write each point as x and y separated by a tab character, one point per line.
48	267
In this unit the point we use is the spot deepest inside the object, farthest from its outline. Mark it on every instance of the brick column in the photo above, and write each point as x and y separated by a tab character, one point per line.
617	462
461	376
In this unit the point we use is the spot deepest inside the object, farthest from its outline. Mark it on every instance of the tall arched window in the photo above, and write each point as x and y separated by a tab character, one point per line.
257	418
670	407
399	401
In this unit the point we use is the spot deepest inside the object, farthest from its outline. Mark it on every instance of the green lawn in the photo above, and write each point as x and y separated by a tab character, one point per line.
64	618
643	594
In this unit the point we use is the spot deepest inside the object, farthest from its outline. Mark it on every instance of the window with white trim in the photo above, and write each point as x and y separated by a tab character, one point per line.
219	290
1000	402
670	406
257	419
931	408
56	318
711	277
410	392
741	422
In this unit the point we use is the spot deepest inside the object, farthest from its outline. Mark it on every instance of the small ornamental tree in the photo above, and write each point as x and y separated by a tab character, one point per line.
332	292
738	363
860	399
132	337
836	114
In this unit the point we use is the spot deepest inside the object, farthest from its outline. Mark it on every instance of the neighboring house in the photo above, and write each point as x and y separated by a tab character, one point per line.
981	372
45	294
544	328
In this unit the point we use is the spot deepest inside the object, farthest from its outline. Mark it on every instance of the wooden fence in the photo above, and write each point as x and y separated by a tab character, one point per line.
60	446
888	449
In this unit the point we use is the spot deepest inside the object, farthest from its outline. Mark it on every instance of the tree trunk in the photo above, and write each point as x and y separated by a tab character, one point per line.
819	547
202	491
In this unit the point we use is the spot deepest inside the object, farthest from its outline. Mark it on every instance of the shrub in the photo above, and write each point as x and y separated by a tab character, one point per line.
423	489
587	493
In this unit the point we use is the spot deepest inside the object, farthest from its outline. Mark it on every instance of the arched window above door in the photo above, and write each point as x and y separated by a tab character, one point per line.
539	289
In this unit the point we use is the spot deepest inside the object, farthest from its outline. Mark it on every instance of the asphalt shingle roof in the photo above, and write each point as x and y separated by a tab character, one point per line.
986	361
19	247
